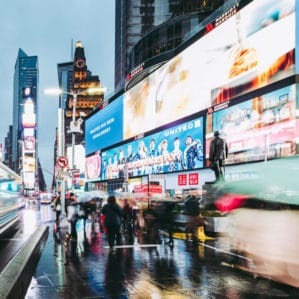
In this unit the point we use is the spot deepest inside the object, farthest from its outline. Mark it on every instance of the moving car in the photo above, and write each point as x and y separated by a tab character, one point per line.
45	197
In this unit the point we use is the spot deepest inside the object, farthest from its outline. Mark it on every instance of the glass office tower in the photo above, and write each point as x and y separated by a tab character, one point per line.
26	75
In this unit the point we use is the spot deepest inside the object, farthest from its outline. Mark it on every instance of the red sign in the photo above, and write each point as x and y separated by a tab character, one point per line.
182	179
193	179
144	188
155	189
62	162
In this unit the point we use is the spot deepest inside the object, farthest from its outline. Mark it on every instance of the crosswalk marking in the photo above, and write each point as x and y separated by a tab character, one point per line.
133	245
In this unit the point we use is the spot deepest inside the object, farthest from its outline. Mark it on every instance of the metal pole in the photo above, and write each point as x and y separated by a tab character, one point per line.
61	147
73	133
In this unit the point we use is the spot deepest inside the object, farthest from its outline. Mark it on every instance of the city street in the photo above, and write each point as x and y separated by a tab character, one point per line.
75	270
149	149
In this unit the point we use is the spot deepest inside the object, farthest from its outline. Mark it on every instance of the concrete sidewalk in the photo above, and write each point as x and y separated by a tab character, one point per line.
16	276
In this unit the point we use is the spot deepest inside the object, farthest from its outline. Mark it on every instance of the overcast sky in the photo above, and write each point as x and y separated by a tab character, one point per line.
46	28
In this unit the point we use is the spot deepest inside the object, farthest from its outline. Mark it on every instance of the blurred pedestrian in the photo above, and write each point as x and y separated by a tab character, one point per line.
167	220
72	215
113	215
57	208
128	222
217	155
127	212
161	217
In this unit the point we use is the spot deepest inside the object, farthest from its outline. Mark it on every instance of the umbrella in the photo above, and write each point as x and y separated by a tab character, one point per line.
89	195
230	201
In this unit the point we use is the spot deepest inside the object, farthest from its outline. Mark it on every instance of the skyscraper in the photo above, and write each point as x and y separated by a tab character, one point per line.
65	82
82	81
26	75
74	78
132	19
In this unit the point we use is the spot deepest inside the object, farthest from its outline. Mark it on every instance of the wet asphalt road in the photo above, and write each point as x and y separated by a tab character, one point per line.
90	270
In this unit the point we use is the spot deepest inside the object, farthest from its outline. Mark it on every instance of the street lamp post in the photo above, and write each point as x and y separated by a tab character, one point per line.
61	153
74	126
72	131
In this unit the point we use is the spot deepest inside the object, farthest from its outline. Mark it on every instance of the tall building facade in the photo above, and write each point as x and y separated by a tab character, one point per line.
82	81
133	18
25	112
65	82
74	78
8	149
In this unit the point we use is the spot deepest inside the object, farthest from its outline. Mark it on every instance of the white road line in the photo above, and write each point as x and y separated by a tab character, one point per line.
224	251
133	246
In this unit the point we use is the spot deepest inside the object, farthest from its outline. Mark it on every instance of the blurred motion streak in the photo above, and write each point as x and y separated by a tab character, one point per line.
263	212
270	239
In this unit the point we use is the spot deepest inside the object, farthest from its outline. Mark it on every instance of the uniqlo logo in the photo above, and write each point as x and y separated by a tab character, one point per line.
193	179
182	180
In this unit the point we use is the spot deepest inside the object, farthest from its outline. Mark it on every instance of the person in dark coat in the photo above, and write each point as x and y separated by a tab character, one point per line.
57	208
217	155
113	215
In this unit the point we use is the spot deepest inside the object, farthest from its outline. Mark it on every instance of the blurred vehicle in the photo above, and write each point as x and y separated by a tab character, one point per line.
263	212
45	198
185	212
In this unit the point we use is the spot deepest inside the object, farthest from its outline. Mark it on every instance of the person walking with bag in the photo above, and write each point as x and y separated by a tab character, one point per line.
217	155
113	215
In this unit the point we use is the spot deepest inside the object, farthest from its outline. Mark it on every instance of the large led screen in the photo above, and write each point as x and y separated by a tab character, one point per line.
105	127
173	149
251	49
258	129
93	166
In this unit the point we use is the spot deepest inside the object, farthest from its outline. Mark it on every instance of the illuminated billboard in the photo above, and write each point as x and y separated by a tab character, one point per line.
28	132
29	143
105	127
28	164
253	48
258	129
29	180
93	166
28	117
173	149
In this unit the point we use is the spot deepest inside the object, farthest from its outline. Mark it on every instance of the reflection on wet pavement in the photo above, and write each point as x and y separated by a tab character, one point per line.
87	269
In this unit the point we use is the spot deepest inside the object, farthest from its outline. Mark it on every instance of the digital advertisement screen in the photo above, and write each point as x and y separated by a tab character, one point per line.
29	144
28	180
93	166
28	164
173	149
105	127
258	129
28	132
251	49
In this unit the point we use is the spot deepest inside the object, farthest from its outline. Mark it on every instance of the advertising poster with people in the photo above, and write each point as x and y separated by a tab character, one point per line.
177	148
260	128
229	61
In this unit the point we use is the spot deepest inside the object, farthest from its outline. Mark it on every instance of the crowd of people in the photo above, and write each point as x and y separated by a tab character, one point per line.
118	221
111	219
